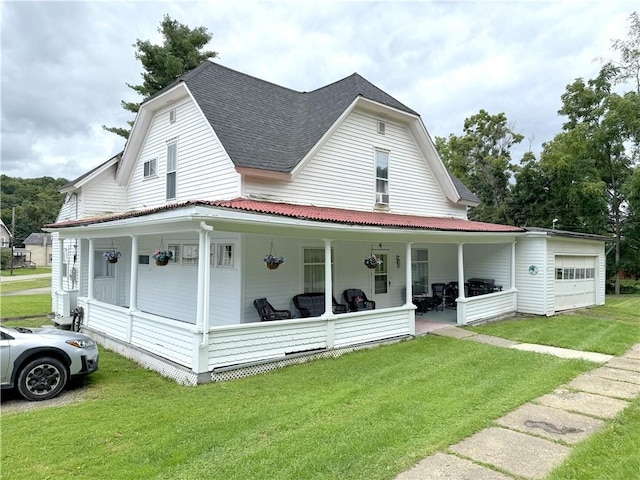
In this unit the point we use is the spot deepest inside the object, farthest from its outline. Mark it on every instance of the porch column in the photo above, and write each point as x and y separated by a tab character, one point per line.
59	265
461	293
407	274
204	281
328	279
133	282
91	269
513	266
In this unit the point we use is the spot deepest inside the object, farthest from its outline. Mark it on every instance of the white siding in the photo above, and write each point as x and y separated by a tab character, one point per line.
204	172
103	195
341	174
488	261
69	208
531	284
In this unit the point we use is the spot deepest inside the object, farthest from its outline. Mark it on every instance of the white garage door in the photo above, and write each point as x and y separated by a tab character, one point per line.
575	281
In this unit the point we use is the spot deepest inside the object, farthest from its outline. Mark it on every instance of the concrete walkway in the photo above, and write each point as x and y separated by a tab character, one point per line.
537	437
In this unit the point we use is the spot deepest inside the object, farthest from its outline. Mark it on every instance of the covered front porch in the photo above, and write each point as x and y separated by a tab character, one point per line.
197	312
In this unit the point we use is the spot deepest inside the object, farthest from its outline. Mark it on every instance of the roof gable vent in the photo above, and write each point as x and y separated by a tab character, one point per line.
381	127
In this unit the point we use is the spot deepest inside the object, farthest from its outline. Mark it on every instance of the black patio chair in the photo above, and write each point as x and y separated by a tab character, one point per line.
450	295
312	304
268	313
437	293
357	300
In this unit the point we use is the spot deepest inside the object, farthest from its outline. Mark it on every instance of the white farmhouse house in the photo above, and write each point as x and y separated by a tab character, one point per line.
222	168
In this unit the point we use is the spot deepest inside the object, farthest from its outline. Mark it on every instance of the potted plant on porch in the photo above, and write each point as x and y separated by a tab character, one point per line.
273	261
372	261
162	257
112	256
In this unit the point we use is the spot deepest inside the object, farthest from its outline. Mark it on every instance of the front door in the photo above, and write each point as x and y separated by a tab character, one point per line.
105	282
381	281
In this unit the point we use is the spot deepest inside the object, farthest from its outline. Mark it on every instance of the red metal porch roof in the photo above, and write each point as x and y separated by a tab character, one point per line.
313	213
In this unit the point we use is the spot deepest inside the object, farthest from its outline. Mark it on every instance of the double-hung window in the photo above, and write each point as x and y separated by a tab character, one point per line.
172	167
382	177
313	269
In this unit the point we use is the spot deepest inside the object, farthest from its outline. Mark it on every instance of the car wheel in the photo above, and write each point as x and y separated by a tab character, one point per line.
42	378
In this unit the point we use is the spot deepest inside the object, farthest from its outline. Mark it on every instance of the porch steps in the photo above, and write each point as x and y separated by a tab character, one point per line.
62	322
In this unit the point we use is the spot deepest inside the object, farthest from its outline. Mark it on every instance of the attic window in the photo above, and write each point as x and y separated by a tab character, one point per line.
172	115
381	127
150	168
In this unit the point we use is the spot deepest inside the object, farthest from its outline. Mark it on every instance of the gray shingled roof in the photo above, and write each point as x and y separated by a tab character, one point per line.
265	126
37	238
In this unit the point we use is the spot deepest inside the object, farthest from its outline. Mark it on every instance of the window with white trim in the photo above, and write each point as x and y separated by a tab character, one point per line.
172	167
189	254
150	168
420	270
224	255
313	269
382	177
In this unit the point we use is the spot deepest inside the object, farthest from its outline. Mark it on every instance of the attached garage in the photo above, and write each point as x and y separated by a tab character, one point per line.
558	270
575	282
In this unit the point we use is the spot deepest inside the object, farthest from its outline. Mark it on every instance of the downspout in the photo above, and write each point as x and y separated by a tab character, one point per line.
206	272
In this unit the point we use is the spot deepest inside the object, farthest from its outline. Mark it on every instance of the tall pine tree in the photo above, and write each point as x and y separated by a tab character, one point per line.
181	51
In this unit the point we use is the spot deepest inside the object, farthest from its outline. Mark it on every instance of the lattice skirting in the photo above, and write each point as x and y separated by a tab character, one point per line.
218	375
184	376
164	367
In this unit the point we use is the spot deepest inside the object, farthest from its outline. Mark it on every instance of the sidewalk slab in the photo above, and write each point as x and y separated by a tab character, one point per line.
633	353
489	340
453	332
513	452
564	352
617	374
583	402
625	364
609	388
442	466
551	423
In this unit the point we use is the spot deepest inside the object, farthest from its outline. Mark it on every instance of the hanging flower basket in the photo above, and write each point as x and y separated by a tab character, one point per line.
372	261
162	257
112	256
273	261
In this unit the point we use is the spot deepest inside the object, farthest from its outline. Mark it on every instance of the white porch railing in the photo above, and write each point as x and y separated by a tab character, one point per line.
486	307
248	342
251	342
161	336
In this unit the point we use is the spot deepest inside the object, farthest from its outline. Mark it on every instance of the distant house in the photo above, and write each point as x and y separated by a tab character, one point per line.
5	236
222	168
39	247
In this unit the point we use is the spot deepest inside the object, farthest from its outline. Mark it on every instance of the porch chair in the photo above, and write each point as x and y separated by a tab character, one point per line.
357	300
312	304
268	313
450	295
437	293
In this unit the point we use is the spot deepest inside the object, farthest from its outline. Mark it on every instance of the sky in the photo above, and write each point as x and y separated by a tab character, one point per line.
64	66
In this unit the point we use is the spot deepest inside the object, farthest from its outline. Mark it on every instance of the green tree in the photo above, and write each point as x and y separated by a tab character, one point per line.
180	52
37	202
481	158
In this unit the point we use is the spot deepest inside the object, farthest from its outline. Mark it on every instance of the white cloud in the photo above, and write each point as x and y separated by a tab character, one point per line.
64	65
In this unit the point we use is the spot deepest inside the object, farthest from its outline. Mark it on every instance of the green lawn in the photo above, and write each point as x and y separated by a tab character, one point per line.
19	285
25	271
25	305
369	414
611	329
